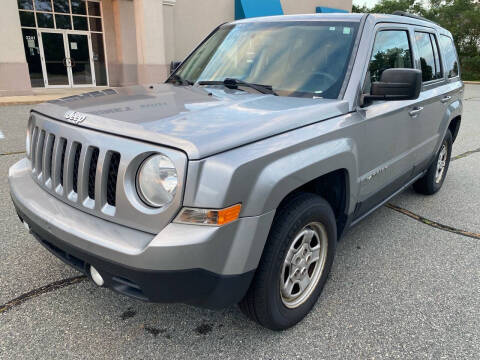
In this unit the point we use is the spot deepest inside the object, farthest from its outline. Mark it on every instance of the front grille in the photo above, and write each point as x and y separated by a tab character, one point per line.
70	169
95	172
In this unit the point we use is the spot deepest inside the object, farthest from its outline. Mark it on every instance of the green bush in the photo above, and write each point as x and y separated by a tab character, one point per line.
470	68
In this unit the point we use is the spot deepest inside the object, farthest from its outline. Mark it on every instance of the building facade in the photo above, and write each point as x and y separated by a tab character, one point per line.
86	43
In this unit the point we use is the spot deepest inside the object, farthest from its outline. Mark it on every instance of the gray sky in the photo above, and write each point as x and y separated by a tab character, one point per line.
369	3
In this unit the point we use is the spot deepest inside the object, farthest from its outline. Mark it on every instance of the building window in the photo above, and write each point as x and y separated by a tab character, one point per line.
25	4
69	18
43	5
27	18
45	20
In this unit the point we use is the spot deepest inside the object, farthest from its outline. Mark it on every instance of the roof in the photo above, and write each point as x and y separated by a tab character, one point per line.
340	17
304	17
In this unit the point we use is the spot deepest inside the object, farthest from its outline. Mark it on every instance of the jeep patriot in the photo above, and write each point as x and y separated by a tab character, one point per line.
232	181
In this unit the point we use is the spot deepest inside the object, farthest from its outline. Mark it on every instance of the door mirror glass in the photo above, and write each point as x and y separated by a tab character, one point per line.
395	84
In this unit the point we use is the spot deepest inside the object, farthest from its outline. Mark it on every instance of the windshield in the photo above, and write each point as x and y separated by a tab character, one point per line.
304	59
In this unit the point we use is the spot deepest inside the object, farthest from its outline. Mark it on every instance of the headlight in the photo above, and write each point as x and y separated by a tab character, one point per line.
157	181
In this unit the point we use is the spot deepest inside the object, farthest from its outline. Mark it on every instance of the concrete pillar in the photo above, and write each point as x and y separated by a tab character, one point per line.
14	76
151	54
121	42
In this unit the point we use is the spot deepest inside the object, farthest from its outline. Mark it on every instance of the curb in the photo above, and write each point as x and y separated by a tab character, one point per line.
22	102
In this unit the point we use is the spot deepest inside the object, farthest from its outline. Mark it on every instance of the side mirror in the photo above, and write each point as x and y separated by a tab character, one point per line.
395	84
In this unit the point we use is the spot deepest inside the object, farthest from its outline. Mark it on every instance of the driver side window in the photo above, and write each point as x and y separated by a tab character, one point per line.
391	49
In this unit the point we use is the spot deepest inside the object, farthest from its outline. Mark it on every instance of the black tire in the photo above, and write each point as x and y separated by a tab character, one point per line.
428	184
263	302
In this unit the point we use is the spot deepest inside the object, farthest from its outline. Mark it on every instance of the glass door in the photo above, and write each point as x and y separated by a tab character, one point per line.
67	58
80	57
54	59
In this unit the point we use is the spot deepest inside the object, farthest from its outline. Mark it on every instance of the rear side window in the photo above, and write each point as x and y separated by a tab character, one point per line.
429	59
390	50
449	55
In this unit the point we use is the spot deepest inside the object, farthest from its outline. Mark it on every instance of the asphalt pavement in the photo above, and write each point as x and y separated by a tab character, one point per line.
405	284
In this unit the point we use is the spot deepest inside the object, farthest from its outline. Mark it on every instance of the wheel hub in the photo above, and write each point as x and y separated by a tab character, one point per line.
441	163
303	265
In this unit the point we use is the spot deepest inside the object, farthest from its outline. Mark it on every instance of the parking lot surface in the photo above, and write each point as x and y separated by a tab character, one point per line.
405	284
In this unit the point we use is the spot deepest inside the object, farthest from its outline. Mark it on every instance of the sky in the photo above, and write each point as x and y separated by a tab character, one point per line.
369	3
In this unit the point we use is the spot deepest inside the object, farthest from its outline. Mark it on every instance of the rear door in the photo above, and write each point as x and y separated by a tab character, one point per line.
385	149
428	114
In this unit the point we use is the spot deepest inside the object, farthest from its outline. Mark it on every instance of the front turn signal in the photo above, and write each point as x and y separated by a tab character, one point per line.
212	217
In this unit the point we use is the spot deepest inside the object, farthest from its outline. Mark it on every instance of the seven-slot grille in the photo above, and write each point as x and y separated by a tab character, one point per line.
60	165
95	172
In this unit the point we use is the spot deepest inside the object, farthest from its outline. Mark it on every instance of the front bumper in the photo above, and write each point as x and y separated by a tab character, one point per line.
202	265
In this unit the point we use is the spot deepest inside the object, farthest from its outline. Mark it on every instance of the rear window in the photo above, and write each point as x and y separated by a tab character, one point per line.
429	59
449	55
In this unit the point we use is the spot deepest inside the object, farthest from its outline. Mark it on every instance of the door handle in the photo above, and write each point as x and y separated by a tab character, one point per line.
415	111
445	99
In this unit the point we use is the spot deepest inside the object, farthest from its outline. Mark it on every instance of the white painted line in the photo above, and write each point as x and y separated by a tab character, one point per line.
1	135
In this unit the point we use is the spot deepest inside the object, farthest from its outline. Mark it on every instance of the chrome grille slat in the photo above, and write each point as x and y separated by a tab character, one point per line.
100	183
68	171
56	163
39	154
47	159
82	175
33	147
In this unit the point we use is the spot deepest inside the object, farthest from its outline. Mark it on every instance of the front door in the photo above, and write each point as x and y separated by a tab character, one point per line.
387	160
66	58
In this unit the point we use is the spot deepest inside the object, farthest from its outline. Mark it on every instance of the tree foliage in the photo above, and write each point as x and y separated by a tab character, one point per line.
460	17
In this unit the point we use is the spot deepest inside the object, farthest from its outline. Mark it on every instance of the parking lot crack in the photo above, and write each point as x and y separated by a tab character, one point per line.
465	154
432	223
40	291
12	153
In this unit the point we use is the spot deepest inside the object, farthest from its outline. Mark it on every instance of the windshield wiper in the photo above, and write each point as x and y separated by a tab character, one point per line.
179	80
232	83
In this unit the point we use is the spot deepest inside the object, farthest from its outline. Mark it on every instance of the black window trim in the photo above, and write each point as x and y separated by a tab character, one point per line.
433	37
430	83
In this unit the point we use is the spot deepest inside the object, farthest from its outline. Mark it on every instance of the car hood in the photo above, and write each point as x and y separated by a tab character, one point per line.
200	121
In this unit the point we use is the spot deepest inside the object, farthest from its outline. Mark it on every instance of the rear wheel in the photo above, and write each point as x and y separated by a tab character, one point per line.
295	264
432	181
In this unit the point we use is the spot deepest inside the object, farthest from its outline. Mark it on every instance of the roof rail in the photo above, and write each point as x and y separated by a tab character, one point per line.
406	14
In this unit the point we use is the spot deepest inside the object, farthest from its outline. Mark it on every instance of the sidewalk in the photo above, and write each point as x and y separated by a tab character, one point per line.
41	95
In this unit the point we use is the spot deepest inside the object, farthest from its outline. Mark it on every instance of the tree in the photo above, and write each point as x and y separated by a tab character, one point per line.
460	17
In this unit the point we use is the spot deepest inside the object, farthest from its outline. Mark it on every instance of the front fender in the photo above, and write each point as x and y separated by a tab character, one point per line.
261	174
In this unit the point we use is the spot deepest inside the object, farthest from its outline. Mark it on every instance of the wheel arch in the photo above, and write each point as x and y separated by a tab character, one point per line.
454	126
334	187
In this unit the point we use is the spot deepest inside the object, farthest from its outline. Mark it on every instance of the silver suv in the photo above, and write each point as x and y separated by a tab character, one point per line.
232	182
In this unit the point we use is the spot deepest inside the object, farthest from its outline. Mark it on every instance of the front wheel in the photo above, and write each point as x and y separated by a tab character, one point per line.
295	263
433	179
